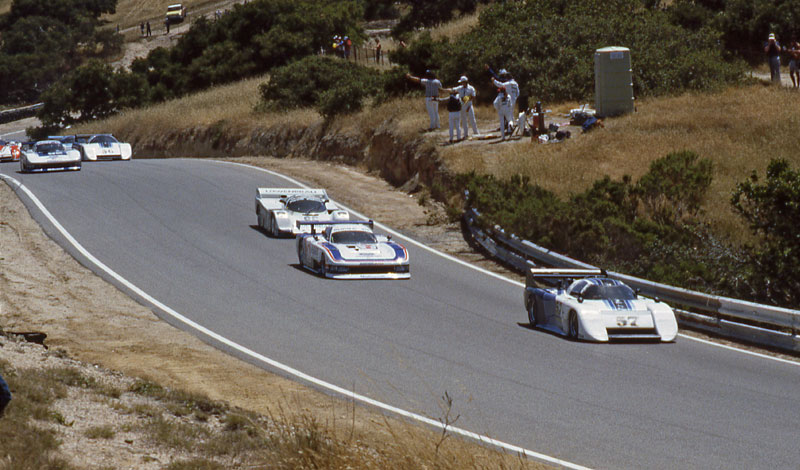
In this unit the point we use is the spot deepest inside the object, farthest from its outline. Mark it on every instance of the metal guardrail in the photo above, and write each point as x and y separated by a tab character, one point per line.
16	114
761	324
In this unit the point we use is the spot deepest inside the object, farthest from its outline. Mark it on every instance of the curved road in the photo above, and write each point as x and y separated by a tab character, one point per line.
183	231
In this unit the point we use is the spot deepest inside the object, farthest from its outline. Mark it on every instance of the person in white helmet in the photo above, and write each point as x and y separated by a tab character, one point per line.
466	93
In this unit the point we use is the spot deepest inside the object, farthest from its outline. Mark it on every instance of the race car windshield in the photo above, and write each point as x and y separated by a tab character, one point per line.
49	148
605	292
352	238
103	139
306	205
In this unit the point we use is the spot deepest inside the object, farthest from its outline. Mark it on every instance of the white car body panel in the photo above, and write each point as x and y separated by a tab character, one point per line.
33	158
275	214
624	317
376	258
93	151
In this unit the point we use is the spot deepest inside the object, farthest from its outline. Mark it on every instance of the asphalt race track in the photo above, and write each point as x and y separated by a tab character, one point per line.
184	232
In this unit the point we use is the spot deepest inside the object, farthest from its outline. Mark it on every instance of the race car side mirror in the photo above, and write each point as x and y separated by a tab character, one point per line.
388	238
580	299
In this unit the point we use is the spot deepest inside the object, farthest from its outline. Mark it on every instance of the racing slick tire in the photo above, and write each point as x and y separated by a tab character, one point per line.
273	227
573	325
260	215
534	316
323	267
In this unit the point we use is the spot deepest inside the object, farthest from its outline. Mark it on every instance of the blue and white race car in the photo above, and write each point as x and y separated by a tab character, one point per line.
279	209
101	147
351	250
48	155
588	305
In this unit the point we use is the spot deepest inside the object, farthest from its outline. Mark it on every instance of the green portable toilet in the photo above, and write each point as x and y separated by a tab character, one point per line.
613	81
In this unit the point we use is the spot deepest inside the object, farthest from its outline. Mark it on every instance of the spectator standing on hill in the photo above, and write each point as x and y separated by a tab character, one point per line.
141	29
502	103
378	58
433	88
5	395
505	80
149	31
347	45
466	93
166	25
454	115
794	62
773	51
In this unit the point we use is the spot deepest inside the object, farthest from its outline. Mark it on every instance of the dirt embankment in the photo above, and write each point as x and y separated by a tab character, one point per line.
396	157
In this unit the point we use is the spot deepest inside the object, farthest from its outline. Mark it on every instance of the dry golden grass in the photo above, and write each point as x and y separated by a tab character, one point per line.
132	12
739	129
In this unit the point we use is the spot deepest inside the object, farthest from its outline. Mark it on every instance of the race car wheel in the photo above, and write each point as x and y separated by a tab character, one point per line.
573	325
533	314
323	268
260	216
273	227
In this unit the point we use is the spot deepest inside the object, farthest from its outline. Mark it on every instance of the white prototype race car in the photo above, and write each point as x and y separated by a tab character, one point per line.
102	147
588	305
279	209
351	250
48	155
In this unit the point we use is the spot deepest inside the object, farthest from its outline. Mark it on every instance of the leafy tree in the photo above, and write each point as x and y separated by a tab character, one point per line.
772	209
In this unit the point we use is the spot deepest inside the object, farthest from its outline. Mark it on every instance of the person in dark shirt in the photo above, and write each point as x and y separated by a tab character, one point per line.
5	395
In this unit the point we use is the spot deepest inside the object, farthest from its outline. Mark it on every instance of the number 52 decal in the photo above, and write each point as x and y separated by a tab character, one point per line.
626	321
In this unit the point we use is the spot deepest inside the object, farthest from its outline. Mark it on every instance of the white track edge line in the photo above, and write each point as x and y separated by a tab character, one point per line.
498	276
290	370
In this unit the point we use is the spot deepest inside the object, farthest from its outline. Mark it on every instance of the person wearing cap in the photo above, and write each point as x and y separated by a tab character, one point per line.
505	80
433	88
773	51
454	106
466	93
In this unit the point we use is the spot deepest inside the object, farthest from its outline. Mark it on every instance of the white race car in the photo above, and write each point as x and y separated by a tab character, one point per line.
350	250
588	305
279	209
102	147
9	151
48	155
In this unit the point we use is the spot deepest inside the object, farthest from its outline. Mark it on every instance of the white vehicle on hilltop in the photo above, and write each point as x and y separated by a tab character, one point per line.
47	155
102	147
588	305
279	209
351	250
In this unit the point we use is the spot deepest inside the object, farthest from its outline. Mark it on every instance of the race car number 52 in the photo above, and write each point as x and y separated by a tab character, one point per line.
626	321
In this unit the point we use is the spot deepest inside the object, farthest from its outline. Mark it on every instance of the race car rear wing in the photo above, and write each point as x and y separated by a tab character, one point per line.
557	275
282	193
314	224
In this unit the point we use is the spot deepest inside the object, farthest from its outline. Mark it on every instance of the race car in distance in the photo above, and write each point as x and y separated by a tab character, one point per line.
48	155
351	250
279	209
9	151
588	305
101	147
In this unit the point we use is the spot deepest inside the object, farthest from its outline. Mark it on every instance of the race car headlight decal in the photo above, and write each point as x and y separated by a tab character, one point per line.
282	214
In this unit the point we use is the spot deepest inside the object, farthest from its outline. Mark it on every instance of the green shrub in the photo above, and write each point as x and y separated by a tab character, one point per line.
644	229
330	85
772	209
549	47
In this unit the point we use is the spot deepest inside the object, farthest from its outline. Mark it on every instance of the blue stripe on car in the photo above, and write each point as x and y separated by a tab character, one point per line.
399	251
337	256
